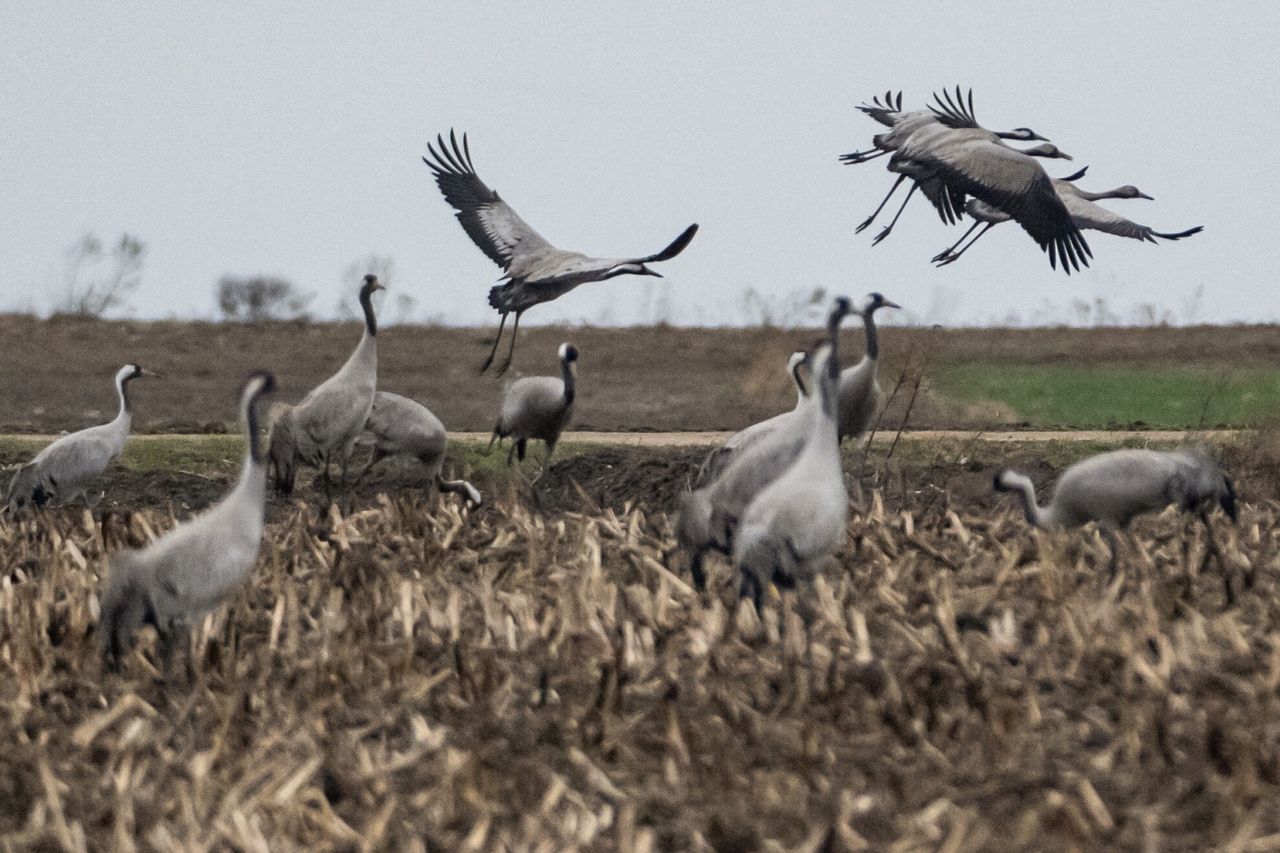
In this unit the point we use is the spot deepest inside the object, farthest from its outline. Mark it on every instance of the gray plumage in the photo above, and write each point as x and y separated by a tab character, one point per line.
402	428
198	564
949	122
538	407
859	392
536	271
717	460
1084	212
1112	488
323	427
970	162
798	520
709	516
68	467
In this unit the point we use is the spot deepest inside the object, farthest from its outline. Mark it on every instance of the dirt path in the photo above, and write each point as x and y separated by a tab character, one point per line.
697	439
709	439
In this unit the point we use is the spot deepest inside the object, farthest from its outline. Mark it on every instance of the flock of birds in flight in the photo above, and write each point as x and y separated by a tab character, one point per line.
772	498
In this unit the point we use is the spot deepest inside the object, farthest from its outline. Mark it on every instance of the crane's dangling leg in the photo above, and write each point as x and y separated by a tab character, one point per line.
515	330
496	338
854	157
885	233
872	218
946	253
951	259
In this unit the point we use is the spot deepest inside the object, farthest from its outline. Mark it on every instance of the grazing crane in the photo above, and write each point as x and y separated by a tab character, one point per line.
536	271
709	515
197	565
67	468
719	458
858	396
327	422
1112	488
799	518
538	407
405	428
1085	214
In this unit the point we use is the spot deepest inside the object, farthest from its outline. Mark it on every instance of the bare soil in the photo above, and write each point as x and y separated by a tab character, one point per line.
56	374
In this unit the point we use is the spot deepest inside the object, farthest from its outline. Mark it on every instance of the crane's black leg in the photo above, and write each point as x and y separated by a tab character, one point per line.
697	572
515	330
1113	543
374	459
872	218
520	448
951	259
488	361
946	253
1228	588
889	227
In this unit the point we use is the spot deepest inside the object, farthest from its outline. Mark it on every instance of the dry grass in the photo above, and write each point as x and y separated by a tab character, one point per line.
407	676
57	373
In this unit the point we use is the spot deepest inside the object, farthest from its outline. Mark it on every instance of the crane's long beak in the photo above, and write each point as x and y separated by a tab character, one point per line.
1141	194
647	271
888	304
151	373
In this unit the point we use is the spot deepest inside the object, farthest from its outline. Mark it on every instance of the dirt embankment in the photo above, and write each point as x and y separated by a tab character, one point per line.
56	374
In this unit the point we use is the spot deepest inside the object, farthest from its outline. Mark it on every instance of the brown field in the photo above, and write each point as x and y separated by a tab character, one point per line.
531	676
56	374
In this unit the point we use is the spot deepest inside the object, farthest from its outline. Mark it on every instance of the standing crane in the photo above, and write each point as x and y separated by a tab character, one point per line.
325	425
68	467
197	565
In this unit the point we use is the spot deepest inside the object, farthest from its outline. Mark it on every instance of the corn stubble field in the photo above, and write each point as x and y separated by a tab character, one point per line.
401	673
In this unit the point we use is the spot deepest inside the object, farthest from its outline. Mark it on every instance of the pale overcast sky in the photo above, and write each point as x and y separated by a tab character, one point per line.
285	138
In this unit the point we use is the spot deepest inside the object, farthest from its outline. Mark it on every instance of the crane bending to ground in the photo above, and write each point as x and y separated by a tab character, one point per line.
536	271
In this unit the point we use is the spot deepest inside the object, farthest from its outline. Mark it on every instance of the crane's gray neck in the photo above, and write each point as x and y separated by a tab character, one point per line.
569	373
366	303
801	388
873	343
1021	485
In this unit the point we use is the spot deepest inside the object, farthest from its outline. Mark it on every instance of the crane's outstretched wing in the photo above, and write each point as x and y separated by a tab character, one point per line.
676	247
488	220
886	112
1015	183
1096	217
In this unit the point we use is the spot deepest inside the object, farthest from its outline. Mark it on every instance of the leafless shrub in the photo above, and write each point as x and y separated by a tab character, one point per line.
255	299
95	279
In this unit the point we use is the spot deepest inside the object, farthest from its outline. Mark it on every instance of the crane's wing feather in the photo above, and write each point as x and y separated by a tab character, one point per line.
488	220
954	113
1015	183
